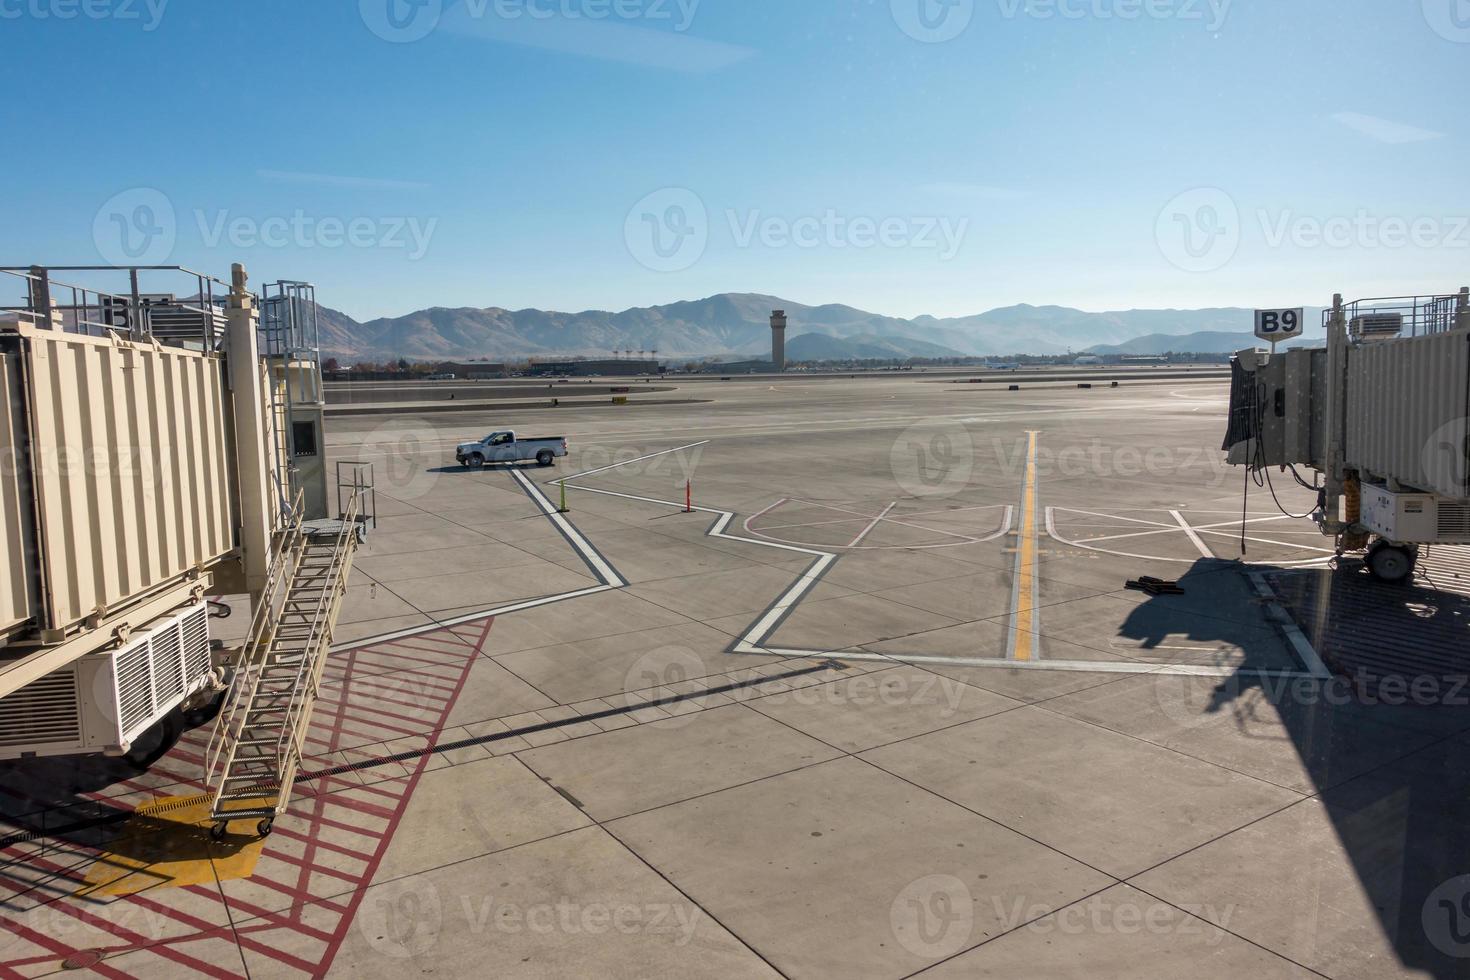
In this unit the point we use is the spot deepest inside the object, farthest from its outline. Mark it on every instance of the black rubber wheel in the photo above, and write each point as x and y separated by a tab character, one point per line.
545	457
217	832
154	744
265	826
477	461
1392	563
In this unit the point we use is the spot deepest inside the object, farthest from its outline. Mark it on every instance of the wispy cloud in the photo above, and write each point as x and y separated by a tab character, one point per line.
1385	130
648	47
337	180
977	192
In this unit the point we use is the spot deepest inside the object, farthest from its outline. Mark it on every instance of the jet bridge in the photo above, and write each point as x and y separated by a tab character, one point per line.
157	445
1379	414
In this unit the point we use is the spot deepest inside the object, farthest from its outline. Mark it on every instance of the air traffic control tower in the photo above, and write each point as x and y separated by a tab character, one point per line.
778	339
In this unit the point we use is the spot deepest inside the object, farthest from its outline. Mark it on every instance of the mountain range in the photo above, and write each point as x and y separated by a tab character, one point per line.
737	325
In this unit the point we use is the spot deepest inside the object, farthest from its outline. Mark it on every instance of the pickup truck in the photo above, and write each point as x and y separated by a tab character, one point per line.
504	447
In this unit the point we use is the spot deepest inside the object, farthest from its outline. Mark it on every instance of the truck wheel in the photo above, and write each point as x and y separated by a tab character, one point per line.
1392	563
477	461
545	457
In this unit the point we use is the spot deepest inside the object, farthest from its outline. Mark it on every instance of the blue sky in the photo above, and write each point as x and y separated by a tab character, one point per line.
903	156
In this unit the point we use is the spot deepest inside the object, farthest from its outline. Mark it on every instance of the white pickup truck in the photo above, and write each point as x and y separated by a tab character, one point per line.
504	447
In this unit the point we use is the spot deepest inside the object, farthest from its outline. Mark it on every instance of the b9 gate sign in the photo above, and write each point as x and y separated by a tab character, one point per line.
1276	326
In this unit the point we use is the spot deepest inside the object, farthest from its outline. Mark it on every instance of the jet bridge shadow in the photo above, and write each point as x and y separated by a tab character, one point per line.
1398	817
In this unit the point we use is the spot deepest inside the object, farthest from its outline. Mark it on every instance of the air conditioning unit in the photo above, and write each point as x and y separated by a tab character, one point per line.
1415	518
1376	326
103	702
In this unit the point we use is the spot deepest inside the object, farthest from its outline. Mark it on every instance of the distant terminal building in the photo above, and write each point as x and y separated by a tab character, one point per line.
740	367
608	367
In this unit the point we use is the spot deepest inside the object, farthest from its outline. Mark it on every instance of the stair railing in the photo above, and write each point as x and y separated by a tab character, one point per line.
285	558
291	745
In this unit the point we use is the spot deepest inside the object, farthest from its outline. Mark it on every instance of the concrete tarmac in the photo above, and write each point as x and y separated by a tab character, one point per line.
818	678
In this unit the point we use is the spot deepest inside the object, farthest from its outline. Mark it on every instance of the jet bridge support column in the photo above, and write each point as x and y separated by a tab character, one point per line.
1336	415
251	442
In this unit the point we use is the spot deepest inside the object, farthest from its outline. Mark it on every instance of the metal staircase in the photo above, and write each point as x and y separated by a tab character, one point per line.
255	752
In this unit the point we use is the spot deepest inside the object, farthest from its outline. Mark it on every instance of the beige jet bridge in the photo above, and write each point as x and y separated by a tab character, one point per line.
158	447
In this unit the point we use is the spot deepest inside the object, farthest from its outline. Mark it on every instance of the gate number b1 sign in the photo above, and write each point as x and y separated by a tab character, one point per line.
1278	325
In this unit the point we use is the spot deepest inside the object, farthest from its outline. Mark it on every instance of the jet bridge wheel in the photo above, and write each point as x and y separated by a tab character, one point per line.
1392	563
265	826
217	832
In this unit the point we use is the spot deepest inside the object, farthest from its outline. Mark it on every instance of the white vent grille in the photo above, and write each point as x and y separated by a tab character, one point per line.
1454	520
46	710
160	668
1377	326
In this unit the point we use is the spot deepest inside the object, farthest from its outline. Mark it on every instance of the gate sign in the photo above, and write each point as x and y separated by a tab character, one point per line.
1280	325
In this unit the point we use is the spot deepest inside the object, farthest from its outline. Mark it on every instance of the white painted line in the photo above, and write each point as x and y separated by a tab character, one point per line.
1199	543
1114	517
1051	530
750	643
1295	546
469	617
875	522
629	462
605	572
1083	666
1294	636
962	539
763	513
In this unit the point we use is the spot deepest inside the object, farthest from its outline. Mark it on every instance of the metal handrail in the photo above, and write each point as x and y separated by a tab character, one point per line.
263	624
291	744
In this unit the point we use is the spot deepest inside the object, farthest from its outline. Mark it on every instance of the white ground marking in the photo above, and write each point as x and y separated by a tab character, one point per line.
874	523
883	518
629	462
1199	543
752	642
1192	531
609	577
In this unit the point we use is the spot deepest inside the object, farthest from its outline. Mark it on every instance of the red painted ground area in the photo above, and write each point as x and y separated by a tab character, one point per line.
296	907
